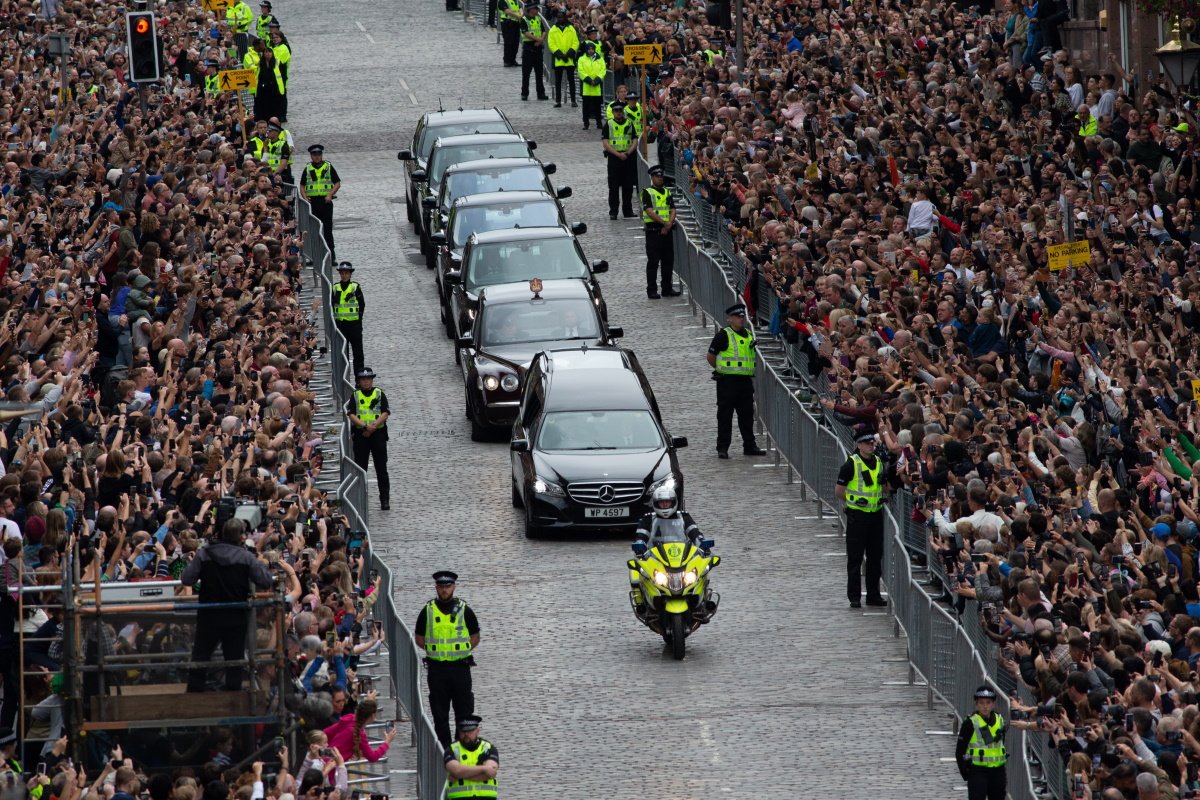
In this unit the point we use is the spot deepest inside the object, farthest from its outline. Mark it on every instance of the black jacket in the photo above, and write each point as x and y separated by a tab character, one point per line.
225	573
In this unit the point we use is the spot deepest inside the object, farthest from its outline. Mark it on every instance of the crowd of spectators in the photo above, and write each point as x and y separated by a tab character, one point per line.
891	176
155	369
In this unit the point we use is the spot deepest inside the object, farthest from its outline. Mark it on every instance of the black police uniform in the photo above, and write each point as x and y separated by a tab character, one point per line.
373	446
449	681
735	393
532	57
622	172
322	207
864	537
660	248
983	783
352	331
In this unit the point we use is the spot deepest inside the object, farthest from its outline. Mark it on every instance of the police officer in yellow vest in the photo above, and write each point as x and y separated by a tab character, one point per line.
265	18
256	145
279	150
510	29
448	631
731	355
591	71
564	47
471	763
862	485
211	68
348	304
658	218
319	184
239	17
980	751
533	50
620	148
368	412
633	110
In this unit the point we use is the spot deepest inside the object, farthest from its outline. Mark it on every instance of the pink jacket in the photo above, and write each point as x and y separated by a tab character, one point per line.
341	736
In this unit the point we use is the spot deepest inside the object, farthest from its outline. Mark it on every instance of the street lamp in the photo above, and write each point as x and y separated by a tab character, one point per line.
1179	58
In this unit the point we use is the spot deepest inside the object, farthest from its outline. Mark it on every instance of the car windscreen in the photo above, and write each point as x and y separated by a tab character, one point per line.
512	262
539	321
510	179
502	217
433	132
599	430
446	157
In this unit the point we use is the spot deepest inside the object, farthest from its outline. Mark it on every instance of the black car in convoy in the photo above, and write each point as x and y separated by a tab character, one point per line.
493	211
516	322
589	448
453	150
490	175
513	256
435	124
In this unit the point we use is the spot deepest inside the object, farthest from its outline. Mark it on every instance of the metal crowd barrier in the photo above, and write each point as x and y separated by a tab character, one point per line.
952	657
403	658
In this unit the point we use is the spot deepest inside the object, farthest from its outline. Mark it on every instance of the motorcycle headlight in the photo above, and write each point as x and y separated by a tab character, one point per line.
660	578
668	482
491	383
543	486
690	577
509	383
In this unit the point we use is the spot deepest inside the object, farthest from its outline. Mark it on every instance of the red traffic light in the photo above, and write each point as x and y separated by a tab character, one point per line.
142	26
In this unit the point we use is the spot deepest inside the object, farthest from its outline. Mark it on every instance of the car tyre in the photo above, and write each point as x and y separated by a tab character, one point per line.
424	244
532	531
408	207
479	433
516	496
431	257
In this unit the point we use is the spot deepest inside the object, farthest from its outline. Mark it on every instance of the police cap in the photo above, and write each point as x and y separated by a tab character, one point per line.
618	107
85	73
445	577
532	7
273	24
656	170
316	149
211	62
365	372
266	4
7	737
985	693
274	126
736	310
590	29
864	438
468	723
345	266
589	45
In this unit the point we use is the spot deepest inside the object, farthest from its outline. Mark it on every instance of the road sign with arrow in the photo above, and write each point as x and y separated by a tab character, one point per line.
232	80
642	54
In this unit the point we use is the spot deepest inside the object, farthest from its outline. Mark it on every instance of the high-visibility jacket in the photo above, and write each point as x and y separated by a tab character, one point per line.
531	28
709	55
367	405
260	25
256	147
621	135
318	180
463	789
864	492
1090	127
599	46
986	748
239	16
283	57
591	67
251	61
632	112
210	84
738	356
275	153
510	10
564	45
278	76
446	635
346	309
660	198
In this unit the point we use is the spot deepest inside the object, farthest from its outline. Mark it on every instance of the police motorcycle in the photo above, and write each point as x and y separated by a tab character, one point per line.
669	584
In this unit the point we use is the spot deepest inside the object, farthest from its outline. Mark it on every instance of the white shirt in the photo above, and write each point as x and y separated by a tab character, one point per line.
920	215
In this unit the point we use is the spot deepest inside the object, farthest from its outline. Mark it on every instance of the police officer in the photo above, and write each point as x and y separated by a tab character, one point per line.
265	18
471	763
319	184
449	632
239	16
368	411
256	145
348	305
510	29
731	355
591	71
620	148
279	150
862	486
632	110
533	43
283	57
564	47
211	68
980	751
658	217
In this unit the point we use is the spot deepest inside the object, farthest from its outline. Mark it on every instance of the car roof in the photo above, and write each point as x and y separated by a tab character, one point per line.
520	234
477	138
575	358
557	289
605	388
459	115
498	198
491	163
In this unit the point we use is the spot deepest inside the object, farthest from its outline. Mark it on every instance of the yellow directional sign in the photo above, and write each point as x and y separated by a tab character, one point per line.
231	80
1069	254
642	54
217	5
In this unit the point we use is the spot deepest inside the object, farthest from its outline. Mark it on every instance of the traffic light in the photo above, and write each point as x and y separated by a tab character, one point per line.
142	36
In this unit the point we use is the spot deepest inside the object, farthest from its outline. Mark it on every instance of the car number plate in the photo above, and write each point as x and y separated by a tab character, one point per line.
608	512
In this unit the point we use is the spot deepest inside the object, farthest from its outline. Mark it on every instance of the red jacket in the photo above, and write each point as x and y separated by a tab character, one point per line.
341	736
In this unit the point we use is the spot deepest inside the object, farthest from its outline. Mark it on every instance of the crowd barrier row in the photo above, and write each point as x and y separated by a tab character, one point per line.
404	660
951	654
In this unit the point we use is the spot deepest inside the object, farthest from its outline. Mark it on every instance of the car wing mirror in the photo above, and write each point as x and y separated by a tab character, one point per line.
550	168
579	228
707	544
679	441
419	174
429	202
564	193
615	331
600	266
404	155
438	238
519	445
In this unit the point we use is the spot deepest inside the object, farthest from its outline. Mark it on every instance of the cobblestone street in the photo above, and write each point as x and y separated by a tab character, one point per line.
787	693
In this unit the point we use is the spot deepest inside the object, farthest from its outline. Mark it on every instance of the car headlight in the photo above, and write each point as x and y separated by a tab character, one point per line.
509	383
470	313
491	383
543	486
668	482
690	577
660	578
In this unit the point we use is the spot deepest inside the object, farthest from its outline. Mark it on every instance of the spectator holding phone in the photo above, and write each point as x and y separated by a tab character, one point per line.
349	734
327	760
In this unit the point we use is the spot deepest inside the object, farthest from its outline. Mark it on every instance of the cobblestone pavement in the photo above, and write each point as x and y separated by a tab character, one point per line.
787	693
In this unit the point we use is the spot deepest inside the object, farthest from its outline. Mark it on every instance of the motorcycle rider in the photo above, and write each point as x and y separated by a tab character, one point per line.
666	515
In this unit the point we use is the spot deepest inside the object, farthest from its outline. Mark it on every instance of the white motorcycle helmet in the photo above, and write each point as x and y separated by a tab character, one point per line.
665	502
